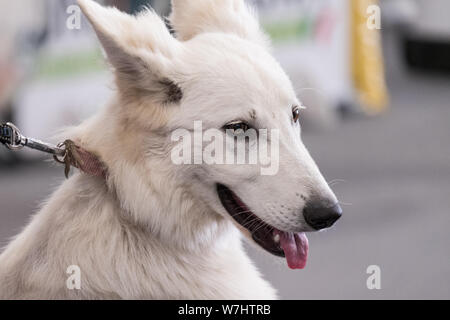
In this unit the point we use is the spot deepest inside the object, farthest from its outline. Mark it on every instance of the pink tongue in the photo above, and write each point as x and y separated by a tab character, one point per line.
295	247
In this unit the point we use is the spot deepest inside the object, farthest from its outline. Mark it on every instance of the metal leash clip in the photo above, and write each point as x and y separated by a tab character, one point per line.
67	153
11	132
14	140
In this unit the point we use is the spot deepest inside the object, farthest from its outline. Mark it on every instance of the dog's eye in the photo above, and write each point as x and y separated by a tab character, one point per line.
296	114
237	125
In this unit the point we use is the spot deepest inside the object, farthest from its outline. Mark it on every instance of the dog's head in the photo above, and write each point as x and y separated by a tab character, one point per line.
216	78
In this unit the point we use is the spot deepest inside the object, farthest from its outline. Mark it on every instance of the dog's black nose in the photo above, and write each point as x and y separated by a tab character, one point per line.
319	215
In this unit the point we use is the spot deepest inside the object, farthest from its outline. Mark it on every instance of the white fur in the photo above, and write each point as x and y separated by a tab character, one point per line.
155	230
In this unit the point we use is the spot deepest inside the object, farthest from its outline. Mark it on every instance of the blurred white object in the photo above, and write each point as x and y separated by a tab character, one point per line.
399	12
16	18
312	42
69	81
433	20
424	18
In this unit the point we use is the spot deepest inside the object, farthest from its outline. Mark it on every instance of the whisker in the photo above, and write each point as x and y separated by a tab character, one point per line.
336	181
261	225
248	224
241	212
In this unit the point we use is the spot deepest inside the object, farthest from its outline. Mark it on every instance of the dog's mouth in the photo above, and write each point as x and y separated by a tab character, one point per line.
293	246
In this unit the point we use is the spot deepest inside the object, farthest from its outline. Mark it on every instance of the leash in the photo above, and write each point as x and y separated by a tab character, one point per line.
67	152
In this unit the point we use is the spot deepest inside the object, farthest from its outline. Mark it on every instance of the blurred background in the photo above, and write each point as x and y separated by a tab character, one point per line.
377	122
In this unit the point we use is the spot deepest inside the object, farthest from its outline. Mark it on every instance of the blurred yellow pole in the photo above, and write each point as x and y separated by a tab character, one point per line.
367	60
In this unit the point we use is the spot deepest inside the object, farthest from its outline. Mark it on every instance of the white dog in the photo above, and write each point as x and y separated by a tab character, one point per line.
156	230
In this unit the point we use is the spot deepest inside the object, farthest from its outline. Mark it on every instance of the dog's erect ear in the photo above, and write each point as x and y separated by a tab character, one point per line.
192	17
139	48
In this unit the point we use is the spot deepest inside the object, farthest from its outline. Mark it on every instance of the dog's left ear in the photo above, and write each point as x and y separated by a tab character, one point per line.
139	48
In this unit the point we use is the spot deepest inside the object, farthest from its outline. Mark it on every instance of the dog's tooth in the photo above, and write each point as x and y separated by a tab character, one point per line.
276	238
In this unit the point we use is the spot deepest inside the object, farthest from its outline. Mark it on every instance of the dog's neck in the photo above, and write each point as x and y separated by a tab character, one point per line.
165	208
149	194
